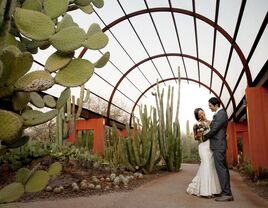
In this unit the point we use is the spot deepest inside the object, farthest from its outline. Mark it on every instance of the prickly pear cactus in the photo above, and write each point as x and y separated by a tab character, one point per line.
28	181
11	192
54	169
25	28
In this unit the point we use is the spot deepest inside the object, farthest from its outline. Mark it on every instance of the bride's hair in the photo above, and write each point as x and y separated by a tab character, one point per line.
196	113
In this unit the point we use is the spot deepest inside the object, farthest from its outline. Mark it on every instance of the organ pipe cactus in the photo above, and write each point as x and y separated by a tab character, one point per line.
139	150
169	133
32	25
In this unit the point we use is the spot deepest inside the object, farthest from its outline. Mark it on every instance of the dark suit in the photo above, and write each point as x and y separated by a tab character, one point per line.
217	137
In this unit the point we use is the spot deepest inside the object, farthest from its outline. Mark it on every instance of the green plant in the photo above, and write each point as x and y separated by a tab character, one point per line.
249	171
169	132
28	181
26	27
155	137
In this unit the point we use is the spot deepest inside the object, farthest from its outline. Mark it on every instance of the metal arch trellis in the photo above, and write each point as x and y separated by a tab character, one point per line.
190	13
196	15
162	55
171	79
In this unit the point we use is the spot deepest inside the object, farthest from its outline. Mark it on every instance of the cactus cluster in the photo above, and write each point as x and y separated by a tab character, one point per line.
28	181
156	137
168	131
26	27
66	123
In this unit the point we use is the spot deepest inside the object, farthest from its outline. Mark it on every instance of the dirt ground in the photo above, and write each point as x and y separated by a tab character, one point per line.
71	174
259	186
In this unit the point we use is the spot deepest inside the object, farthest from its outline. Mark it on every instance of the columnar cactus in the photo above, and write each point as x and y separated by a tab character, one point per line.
169	133
66	123
156	137
139	150
25	27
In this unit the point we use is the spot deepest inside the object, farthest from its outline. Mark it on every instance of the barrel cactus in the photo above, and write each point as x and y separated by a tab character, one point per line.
25	28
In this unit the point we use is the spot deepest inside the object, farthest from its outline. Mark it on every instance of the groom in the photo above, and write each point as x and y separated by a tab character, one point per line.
217	137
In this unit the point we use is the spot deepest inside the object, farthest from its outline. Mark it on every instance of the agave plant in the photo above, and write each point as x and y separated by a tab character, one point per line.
27	26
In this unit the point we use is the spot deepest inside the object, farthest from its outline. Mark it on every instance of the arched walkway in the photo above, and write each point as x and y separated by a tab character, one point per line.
167	191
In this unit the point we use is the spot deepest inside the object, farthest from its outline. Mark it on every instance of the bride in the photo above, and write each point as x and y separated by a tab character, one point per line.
206	182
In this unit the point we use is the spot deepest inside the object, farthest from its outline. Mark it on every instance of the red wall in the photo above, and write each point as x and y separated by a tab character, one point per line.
98	126
257	117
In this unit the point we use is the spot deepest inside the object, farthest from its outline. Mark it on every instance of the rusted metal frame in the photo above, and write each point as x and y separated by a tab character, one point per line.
186	12
214	40
196	40
254	46
114	86
123	73
162	55
39	63
159	38
261	74
206	20
111	103
238	22
178	39
190	13
254	83
141	42
171	79
121	47
242	112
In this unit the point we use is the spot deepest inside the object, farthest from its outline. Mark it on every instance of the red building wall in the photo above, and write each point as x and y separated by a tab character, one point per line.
257	117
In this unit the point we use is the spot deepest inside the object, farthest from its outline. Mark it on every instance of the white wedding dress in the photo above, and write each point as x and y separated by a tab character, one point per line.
206	181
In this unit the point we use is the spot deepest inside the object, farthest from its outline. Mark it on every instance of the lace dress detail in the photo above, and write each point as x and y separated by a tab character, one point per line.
206	181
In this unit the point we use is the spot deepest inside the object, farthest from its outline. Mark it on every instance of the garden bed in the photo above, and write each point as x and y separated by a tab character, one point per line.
73	174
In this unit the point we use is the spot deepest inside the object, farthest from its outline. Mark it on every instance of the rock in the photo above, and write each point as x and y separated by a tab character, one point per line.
75	188
49	188
57	190
74	184
112	176
91	186
98	187
83	186
116	181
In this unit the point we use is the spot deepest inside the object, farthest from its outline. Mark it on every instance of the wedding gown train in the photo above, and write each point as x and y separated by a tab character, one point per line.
206	181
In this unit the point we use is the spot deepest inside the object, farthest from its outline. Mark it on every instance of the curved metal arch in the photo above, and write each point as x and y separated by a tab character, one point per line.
162	55
171	79
193	14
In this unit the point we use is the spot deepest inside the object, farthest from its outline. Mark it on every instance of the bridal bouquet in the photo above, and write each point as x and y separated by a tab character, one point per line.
201	127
